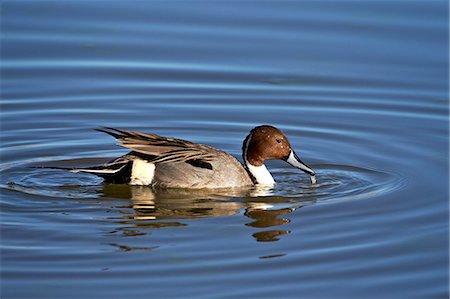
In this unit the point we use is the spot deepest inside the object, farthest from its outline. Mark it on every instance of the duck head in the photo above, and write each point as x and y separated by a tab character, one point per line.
269	143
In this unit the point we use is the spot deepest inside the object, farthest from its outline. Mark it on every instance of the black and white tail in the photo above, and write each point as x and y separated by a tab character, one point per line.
118	172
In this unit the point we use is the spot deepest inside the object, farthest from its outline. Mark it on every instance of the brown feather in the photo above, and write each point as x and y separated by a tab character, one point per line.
160	149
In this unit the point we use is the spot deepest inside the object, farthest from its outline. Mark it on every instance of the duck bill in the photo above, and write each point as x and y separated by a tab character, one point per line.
295	161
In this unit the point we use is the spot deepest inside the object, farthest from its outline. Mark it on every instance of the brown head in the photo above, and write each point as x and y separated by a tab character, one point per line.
269	143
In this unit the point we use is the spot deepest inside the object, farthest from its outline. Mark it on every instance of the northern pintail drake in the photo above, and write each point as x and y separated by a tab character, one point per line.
175	163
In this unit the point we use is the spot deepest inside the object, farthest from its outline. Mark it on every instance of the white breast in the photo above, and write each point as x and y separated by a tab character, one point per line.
261	174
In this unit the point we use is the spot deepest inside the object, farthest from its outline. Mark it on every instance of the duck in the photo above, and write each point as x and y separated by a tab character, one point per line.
166	162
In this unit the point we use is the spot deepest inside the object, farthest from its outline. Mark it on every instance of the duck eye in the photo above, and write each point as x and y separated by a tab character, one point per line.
278	140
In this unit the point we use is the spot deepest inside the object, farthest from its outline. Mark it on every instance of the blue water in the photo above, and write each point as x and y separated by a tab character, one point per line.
361	89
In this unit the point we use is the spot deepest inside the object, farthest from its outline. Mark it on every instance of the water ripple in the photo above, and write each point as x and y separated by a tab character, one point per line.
335	183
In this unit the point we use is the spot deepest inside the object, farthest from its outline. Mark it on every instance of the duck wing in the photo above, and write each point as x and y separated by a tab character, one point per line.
158	149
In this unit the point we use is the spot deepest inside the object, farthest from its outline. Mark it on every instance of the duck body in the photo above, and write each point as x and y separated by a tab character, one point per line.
224	171
164	162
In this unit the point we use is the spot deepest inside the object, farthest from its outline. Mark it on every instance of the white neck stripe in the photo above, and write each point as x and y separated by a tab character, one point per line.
260	173
246	148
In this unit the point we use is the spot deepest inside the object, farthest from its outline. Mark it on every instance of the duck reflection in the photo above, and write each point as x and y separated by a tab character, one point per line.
268	218
149	206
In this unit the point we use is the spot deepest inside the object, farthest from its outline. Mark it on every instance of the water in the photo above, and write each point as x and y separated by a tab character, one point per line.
360	89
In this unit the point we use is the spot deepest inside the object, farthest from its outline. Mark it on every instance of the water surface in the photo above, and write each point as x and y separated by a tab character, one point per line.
360	89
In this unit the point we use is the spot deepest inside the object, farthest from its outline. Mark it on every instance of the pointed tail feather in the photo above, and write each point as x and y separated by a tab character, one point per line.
113	173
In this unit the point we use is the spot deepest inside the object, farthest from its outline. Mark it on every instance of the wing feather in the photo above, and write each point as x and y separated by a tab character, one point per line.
160	149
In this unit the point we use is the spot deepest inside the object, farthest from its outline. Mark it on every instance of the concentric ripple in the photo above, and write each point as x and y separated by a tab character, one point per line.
337	183
334	183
